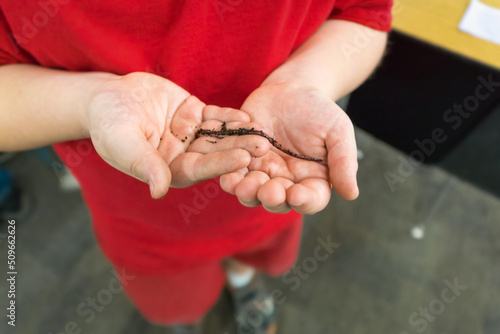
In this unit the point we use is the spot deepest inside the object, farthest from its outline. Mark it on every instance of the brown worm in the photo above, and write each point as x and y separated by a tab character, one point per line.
225	132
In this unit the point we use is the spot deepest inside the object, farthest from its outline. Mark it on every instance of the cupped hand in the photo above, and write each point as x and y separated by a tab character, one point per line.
305	121
143	124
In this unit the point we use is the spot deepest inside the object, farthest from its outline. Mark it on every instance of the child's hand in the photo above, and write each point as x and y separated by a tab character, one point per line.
306	121
143	124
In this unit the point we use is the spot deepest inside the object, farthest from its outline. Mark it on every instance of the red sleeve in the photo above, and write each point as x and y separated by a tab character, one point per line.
10	50
375	14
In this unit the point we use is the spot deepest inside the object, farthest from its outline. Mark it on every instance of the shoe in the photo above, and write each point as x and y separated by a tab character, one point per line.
255	310
185	329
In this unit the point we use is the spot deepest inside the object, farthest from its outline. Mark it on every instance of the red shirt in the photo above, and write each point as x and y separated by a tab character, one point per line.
219	51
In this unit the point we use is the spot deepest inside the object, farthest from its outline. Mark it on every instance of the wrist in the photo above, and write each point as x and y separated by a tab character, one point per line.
91	86
296	72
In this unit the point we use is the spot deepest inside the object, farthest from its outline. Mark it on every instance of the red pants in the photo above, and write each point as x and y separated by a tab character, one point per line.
184	297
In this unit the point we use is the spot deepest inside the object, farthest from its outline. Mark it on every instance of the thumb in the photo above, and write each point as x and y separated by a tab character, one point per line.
158	175
342	159
137	157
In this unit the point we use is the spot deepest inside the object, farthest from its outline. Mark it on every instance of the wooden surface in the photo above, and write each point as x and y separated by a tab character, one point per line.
436	22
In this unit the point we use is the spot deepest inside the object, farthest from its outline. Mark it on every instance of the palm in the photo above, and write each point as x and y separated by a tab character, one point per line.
307	122
143	125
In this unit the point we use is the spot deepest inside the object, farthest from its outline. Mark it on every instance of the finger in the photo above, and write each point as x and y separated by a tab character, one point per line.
187	116
302	169
190	168
137	157
247	189
171	145
272	195
273	165
342	158
224	114
256	146
309	196
230	181
216	124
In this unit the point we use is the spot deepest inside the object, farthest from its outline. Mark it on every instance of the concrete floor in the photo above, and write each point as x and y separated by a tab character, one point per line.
380	279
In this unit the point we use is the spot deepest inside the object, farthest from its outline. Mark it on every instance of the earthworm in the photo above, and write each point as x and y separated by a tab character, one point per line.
225	132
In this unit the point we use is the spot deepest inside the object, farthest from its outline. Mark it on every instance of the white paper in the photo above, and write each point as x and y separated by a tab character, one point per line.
482	21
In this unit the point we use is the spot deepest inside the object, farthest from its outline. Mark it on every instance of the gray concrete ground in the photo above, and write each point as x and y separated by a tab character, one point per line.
444	278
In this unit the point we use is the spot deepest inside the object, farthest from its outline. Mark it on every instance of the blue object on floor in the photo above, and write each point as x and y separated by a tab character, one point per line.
6	185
